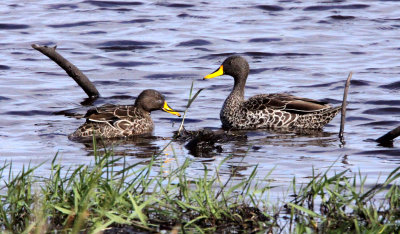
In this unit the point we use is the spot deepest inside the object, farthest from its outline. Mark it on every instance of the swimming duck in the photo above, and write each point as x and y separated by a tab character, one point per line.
276	110
112	121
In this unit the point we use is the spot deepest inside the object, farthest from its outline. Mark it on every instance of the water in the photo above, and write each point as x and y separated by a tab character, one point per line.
301	47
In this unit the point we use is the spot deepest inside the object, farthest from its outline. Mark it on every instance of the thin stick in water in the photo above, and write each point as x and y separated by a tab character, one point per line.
344	104
70	68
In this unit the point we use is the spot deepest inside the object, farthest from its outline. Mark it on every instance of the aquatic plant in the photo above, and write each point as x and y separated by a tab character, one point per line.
110	194
103	194
345	204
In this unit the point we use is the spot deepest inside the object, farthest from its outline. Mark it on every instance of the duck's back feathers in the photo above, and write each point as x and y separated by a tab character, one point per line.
284	102
111	113
110	121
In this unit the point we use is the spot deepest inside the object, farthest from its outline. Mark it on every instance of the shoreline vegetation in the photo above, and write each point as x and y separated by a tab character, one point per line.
112	196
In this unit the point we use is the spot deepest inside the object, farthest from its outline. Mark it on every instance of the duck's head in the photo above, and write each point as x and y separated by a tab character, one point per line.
150	100
235	66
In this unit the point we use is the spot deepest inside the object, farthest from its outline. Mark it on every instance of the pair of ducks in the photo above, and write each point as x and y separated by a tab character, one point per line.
260	111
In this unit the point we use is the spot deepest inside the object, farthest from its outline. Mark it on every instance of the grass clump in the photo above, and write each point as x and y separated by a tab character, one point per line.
343	204
110	195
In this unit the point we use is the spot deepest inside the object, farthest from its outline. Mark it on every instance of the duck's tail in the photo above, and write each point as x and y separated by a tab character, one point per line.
318	120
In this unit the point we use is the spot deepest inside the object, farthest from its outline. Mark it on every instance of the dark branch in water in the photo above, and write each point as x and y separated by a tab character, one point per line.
344	104
70	68
388	137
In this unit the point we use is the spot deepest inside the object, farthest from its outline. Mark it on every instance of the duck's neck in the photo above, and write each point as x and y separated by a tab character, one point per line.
236	97
141	111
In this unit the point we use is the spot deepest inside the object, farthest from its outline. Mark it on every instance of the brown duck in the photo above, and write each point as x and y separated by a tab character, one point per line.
267	110
112	121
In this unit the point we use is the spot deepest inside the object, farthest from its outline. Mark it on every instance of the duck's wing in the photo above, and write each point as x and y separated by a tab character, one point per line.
284	102
115	115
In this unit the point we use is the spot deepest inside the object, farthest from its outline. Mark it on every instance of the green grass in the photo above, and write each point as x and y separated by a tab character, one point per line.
92	198
344	204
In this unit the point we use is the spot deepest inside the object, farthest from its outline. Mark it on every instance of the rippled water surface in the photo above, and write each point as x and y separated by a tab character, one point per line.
306	48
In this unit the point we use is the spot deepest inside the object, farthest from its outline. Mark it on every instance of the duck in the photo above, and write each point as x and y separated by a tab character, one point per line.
121	121
275	111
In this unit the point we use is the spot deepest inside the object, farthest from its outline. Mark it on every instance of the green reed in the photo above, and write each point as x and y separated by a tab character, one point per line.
96	196
110	193
343	204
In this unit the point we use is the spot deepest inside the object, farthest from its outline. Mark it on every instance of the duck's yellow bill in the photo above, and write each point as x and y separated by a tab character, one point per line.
218	72
168	109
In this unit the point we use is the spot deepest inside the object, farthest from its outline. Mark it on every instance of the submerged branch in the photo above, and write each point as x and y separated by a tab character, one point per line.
389	136
70	68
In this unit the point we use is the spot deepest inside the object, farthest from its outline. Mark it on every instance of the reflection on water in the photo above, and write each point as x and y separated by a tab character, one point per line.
137	146
300	47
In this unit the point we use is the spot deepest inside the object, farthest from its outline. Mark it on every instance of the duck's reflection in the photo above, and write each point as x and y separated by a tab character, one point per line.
215	145
293	138
209	143
143	146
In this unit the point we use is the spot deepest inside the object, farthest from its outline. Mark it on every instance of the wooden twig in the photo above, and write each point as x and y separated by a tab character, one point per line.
344	104
389	136
70	68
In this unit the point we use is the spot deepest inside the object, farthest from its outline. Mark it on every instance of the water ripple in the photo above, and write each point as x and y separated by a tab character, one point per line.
185	15
264	39
28	113
331	7
195	42
383	111
342	17
124	45
316	85
359	82
70	25
137	21
127	64
115	83
270	7
258	70
13	26
381	123
384	102
392	86
169	76
4	98
289	54
62	6
176	5
4	67
386	152
113	3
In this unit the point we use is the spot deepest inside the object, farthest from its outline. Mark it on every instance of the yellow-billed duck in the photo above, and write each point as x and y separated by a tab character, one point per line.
276	110
112	121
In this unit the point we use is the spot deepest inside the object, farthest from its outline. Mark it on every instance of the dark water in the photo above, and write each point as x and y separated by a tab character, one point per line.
305	48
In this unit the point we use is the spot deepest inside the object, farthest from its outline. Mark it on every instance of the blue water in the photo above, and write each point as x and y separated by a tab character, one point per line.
304	48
